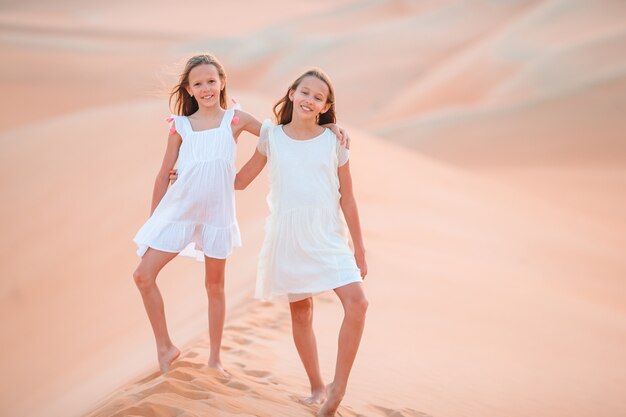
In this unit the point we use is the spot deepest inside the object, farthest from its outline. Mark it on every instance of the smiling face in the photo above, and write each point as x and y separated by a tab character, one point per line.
310	98
205	85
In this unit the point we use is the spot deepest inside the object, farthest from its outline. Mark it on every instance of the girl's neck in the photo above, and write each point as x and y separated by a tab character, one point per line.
209	112
302	129
304	126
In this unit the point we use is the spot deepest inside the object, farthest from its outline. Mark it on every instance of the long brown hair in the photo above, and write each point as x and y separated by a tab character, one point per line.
185	104
283	110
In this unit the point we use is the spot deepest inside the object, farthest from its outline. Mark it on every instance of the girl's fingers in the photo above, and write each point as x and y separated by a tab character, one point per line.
343	137
173	176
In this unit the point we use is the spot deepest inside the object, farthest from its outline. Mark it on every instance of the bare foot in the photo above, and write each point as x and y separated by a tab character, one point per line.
317	397
167	357
219	369
329	408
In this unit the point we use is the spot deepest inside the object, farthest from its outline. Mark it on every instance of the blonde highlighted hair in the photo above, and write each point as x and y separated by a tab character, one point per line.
283	109
184	103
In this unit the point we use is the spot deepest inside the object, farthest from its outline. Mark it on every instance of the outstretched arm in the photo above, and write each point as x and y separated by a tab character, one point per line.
249	123
163	177
351	213
245	122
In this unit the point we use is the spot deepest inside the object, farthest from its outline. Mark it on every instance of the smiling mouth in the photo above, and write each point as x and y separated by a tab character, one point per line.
306	108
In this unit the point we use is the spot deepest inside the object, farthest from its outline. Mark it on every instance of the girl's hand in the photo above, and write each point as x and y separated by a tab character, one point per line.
361	263
342	135
173	175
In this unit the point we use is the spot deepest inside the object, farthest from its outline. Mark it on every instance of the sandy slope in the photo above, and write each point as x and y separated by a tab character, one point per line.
445	255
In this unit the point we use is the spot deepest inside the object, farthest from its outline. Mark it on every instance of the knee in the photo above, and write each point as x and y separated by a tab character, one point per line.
302	313
142	279
357	306
214	284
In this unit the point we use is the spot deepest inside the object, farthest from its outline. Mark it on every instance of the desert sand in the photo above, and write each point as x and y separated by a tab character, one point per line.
489	161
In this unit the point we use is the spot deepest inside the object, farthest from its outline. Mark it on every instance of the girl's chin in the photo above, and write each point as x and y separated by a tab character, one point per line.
208	104
306	115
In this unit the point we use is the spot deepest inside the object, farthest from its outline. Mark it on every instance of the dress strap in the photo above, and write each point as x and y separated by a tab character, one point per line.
177	124
229	117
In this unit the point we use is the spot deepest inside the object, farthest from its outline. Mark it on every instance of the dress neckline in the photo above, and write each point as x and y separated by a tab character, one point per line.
207	130
302	140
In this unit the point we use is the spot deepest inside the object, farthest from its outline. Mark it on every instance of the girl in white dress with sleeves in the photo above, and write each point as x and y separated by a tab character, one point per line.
306	250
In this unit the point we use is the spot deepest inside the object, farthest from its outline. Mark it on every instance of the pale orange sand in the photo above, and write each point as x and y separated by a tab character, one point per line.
489	163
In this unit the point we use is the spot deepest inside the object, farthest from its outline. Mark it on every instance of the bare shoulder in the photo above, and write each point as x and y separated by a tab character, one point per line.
244	116
246	122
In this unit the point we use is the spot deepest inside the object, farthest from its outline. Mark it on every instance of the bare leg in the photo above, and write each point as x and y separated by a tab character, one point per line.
355	306
214	282
145	277
304	338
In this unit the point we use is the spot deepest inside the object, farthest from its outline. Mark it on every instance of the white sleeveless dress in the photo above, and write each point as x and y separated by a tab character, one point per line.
196	216
305	250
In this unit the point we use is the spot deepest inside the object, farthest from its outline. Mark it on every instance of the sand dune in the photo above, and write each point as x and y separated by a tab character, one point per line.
190	389
548	133
527	56
455	346
489	165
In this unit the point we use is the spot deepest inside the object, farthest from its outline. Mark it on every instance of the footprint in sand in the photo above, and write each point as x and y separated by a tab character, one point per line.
238	385
187	364
261	377
180	375
180	388
239	352
241	340
257	374
237	328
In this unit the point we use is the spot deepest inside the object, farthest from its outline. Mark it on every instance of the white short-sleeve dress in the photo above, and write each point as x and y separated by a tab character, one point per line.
196	216
306	249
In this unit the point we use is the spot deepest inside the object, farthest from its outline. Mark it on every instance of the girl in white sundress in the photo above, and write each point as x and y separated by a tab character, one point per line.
196	216
306	249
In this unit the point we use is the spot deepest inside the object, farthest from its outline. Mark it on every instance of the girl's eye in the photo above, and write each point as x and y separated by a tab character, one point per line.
318	99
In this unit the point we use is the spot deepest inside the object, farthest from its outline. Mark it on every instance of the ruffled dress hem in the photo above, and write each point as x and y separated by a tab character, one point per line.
188	239
351	277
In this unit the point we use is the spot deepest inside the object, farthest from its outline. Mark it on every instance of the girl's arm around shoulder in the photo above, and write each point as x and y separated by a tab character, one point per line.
257	162
161	182
342	134
245	122
351	213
